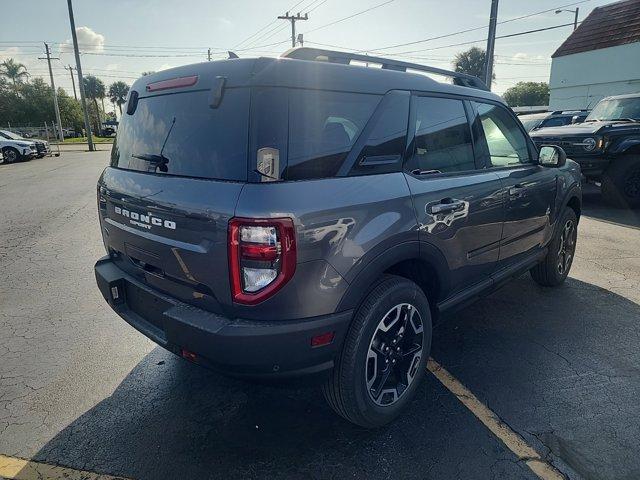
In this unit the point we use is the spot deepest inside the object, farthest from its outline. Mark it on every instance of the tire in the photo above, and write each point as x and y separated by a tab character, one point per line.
359	391
621	182
11	155
553	270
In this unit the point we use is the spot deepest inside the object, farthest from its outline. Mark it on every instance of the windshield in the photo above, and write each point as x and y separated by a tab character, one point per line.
180	134
530	124
616	109
10	135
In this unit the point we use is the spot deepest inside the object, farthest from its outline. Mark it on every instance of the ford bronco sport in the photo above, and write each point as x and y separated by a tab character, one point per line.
304	216
607	147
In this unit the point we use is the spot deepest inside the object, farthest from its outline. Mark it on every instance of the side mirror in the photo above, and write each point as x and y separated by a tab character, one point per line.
552	156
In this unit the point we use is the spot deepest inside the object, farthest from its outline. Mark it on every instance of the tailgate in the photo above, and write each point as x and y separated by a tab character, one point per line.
170	232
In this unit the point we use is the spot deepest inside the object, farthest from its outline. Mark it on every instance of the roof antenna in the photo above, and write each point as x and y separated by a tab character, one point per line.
232	55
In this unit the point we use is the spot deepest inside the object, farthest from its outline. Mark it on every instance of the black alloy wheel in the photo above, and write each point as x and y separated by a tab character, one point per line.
394	354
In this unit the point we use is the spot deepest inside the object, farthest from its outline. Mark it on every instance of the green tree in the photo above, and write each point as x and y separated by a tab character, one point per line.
471	62
94	89
70	111
34	105
118	93
14	71
524	94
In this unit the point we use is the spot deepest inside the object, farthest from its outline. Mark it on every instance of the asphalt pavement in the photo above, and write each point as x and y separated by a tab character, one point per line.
81	389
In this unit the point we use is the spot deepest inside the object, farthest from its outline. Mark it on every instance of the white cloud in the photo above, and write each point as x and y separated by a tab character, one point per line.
88	41
165	66
531	58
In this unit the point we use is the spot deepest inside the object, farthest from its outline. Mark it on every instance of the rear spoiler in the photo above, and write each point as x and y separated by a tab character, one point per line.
345	58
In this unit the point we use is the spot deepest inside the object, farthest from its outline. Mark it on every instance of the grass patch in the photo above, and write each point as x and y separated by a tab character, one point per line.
68	141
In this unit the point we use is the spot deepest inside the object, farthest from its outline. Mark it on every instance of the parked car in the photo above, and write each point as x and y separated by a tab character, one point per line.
607	147
42	146
302	217
108	132
15	148
557	118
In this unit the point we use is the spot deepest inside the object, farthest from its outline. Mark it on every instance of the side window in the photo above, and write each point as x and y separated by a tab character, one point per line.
442	136
323	127
383	141
503	141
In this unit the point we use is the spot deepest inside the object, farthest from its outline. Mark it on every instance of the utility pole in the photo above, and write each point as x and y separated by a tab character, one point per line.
491	40
292	19
73	81
575	12
55	94
209	54
80	79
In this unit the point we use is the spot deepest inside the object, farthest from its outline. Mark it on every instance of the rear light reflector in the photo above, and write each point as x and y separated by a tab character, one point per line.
187	355
172	83
323	339
262	257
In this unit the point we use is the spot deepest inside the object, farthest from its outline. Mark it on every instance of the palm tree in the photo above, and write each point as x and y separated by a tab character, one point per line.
471	62
94	88
118	92
14	71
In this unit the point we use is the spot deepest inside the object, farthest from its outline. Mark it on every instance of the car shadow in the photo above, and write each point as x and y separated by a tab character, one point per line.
594	206
171	419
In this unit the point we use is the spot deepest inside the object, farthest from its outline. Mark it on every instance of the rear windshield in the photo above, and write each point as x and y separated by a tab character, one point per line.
180	134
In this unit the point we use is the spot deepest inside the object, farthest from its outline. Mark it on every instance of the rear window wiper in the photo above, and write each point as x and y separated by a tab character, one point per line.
159	161
151	157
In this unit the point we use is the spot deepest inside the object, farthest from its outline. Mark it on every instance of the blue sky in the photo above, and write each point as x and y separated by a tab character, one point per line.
122	38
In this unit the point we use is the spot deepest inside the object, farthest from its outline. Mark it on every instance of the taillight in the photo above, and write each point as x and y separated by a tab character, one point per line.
262	257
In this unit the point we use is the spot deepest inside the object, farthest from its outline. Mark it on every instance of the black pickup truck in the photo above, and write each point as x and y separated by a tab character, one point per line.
607	147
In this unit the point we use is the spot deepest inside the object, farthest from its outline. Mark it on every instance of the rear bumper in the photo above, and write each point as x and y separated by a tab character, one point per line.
236	347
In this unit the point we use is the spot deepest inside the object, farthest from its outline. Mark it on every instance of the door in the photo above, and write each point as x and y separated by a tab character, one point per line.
458	206
529	189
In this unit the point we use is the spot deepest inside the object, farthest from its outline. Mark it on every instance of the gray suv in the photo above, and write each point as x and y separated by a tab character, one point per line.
307	216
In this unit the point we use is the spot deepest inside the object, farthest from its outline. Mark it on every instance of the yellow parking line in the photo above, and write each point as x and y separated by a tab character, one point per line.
514	442
19	469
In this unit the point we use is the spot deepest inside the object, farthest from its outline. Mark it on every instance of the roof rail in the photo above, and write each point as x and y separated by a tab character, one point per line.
344	58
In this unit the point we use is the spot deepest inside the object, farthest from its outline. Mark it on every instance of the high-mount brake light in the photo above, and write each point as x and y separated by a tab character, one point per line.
172	83
262	257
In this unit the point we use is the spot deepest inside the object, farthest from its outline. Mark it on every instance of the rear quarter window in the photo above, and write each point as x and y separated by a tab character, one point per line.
323	127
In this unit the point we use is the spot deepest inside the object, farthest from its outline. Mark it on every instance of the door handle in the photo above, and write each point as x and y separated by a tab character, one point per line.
419	172
447	205
517	190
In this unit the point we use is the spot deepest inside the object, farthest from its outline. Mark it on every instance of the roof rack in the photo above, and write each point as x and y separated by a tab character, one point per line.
345	58
574	110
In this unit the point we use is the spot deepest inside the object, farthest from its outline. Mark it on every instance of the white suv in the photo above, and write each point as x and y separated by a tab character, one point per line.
15	148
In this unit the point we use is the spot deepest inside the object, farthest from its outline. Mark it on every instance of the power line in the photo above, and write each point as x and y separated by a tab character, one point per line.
459	32
317	6
266	26
278	28
349	16
477	41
